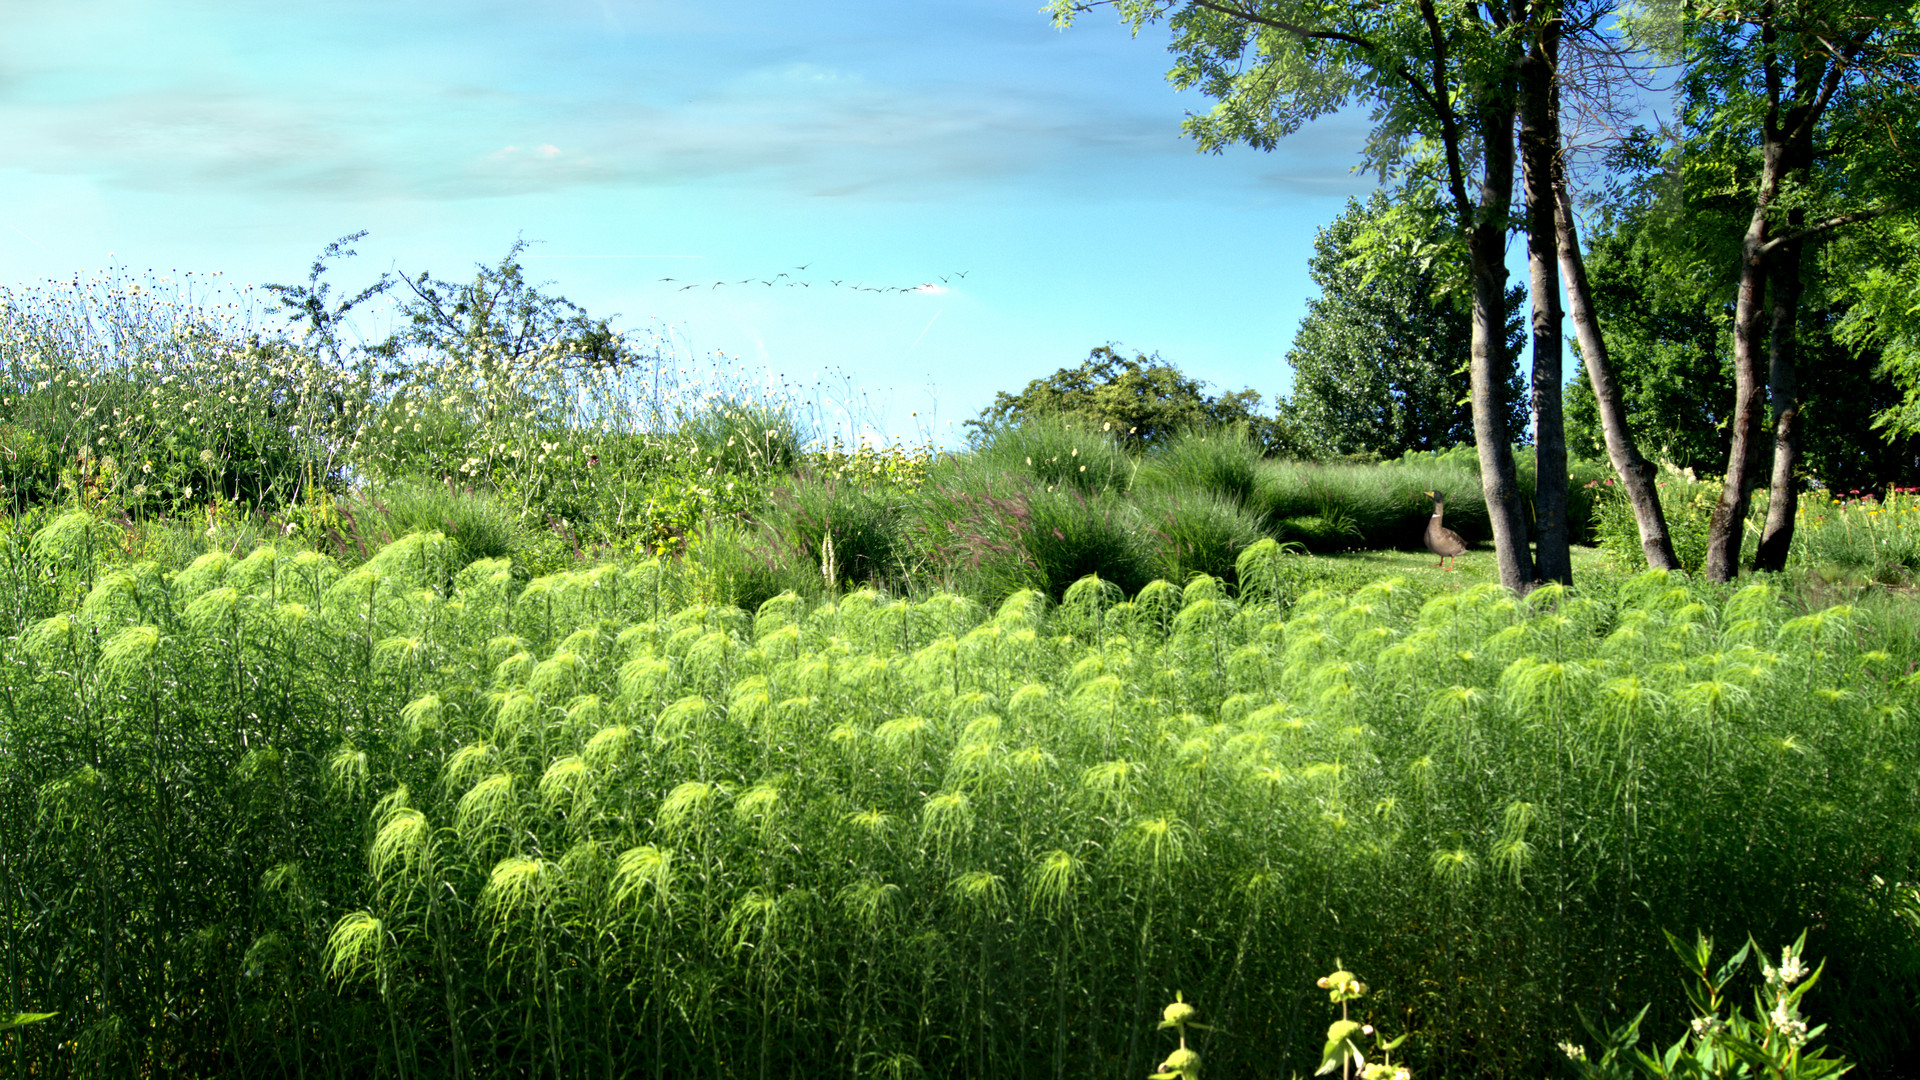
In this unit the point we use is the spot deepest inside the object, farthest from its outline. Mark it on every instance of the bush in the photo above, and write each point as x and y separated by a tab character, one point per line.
1197	531
474	521
1069	534
1224	461
865	523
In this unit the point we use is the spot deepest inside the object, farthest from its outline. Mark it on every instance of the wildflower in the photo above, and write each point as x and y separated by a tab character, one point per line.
1791	970
1706	1027
1574	1051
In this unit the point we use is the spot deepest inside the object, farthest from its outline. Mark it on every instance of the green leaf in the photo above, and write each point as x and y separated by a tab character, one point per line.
7	1023
1339	1046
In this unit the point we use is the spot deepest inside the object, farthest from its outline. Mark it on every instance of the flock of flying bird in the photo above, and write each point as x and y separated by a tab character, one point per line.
833	283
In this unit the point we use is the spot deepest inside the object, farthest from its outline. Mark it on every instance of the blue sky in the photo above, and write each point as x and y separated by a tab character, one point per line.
880	143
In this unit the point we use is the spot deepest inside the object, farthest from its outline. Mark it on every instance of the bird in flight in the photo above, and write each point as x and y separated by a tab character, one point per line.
786	279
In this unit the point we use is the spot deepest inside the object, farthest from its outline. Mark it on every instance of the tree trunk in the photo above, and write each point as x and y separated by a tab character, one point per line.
1783	500
1486	255
1636	472
1727	527
1539	150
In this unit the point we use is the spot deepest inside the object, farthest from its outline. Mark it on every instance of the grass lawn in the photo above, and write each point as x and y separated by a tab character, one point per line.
1476	566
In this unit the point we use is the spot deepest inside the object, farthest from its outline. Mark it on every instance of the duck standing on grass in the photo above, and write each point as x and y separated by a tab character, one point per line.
1441	540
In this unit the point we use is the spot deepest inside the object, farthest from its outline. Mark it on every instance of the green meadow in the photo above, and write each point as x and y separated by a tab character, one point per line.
537	719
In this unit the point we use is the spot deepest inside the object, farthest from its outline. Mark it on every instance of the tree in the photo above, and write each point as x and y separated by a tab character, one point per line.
1444	85
1804	108
1664	271
1142	401
508	321
310	305
1380	360
1884	290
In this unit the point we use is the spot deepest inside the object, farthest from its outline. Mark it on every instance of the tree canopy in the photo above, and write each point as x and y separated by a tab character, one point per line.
1380	360
1664	274
1141	400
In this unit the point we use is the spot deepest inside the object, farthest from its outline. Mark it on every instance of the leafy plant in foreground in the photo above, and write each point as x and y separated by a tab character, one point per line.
1725	1040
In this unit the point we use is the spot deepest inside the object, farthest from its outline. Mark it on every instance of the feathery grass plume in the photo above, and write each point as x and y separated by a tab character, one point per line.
872	904
467	764
422	714
348	769
609	747
486	807
980	891
680	719
946	819
114	598
1055	877
404	841
356	947
565	784
644	871
1501	798
759	808
518	885
128	654
53	638
683	805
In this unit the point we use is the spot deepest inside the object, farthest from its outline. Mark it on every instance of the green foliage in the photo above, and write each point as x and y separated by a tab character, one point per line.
1840	538
415	819
1663	267
1058	451
865	524
1725	1039
477	525
1339	506
1380	360
1139	402
502	323
1883	313
1687	505
157	396
1224	462
1198	532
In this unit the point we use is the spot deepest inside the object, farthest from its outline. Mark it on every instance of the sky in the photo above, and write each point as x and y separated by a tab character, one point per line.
886	144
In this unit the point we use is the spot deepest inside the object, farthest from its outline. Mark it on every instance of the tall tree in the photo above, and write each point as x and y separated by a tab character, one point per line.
1380	360
1540	169
1444	87
1794	103
1884	314
1664	269
1583	78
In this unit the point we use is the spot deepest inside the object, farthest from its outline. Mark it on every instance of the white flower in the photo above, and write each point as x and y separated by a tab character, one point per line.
1792	969
1574	1051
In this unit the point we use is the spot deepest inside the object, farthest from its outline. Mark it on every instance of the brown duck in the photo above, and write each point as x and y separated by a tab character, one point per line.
1441	540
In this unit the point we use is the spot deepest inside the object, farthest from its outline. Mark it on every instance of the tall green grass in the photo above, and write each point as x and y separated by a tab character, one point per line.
267	816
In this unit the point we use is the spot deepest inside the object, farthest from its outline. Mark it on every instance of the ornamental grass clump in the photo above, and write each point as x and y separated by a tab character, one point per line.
270	815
